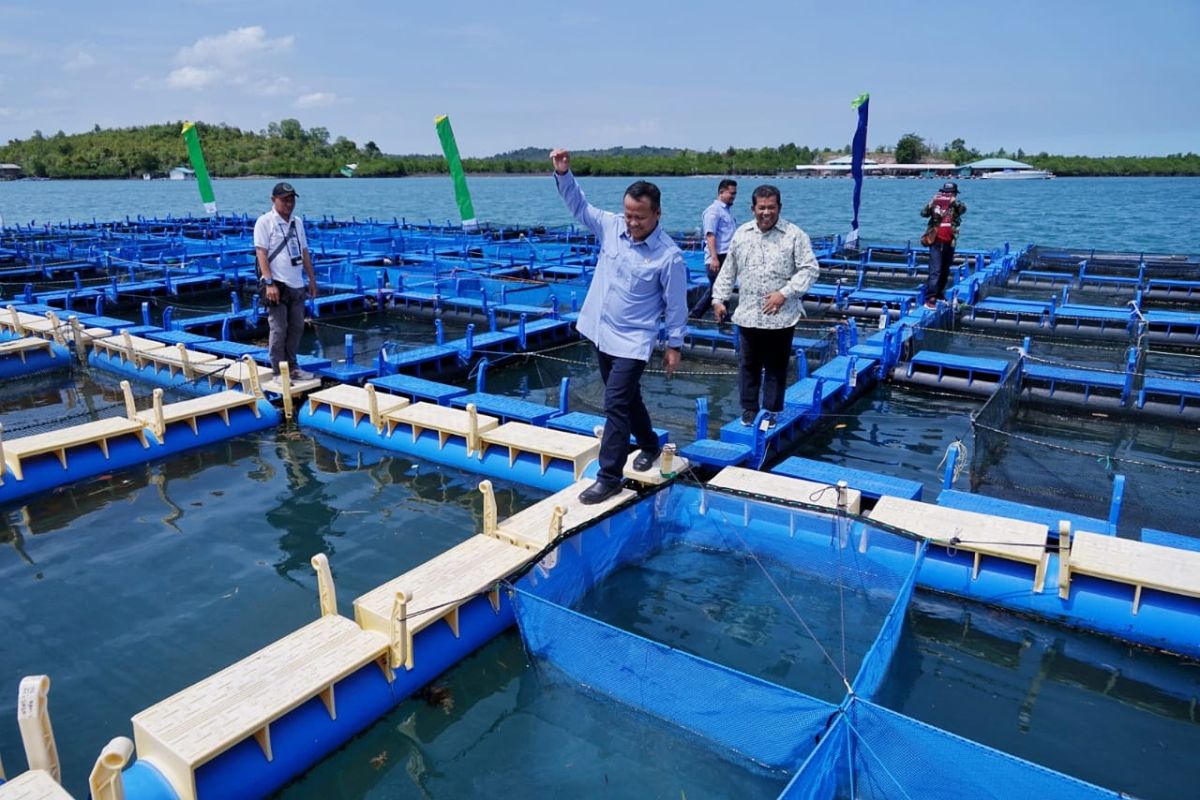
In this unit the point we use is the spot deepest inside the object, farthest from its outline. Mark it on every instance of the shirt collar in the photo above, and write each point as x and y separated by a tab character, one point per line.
654	234
780	225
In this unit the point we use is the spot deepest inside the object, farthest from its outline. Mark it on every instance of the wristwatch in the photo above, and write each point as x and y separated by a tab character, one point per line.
269	281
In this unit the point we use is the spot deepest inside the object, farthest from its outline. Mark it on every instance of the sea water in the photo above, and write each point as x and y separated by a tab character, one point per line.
130	586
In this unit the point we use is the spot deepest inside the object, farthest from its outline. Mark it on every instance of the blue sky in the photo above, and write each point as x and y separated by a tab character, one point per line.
1069	77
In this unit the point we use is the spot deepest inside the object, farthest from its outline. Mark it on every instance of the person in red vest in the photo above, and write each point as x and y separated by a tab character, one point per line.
945	213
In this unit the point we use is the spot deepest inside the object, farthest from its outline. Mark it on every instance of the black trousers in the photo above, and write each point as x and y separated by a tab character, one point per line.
704	304
941	261
625	414
763	364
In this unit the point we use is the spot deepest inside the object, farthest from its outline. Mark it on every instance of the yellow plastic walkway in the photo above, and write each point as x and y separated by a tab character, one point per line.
548	445
436	589
33	785
538	525
190	411
981	534
190	728
782	487
59	442
1139	564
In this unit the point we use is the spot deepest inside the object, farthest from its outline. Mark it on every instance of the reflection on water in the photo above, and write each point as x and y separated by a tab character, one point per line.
130	586
895	430
1115	715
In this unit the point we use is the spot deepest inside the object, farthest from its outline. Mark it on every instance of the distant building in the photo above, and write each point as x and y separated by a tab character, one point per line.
181	174
841	166
9	172
1004	169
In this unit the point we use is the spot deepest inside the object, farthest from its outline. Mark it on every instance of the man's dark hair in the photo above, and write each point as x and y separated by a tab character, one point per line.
641	189
725	184
763	192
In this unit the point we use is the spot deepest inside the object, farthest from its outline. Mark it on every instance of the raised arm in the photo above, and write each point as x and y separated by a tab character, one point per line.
584	212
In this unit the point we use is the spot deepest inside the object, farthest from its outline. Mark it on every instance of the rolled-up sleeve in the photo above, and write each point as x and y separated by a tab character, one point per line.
807	268
709	221
675	294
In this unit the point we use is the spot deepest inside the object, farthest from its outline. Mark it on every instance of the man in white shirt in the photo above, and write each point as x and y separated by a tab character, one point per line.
282	249
772	262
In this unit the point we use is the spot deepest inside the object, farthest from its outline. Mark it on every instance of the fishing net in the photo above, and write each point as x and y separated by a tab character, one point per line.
765	630
742	622
1069	460
989	424
872	753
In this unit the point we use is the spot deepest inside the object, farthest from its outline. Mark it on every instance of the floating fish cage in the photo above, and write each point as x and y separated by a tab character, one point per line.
998	486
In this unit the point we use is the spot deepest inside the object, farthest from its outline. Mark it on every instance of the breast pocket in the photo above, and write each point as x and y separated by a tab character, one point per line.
636	281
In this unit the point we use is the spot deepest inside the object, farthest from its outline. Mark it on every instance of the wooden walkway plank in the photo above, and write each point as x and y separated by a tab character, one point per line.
199	723
981	534
1139	564
445	421
437	588
33	785
60	441
356	400
537	526
22	347
190	410
772	485
546	444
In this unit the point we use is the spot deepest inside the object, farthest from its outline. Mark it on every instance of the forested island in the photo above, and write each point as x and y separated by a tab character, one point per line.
288	149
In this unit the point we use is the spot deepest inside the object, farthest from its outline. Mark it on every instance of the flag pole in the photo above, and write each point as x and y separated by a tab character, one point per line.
192	139
461	194
858	153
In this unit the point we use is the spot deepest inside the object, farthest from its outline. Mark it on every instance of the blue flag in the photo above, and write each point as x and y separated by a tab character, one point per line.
858	151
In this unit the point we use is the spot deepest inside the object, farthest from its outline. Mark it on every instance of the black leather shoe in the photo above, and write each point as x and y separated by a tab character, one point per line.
645	460
598	492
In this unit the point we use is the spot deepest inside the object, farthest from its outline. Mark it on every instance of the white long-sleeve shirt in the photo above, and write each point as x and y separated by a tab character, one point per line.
761	262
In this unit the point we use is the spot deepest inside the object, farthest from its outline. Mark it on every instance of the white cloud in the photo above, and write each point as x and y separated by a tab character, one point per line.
236	57
191	78
233	48
316	99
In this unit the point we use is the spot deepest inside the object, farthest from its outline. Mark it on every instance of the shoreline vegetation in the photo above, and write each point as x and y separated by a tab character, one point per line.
287	149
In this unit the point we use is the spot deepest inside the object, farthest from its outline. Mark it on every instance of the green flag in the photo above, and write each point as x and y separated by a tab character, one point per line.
192	139
461	194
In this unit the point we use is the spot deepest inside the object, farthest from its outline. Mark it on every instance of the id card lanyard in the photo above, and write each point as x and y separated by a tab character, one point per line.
290	237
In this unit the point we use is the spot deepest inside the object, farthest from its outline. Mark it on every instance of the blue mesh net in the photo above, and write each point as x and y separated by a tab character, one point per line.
746	622
875	663
826	771
871	753
737	711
